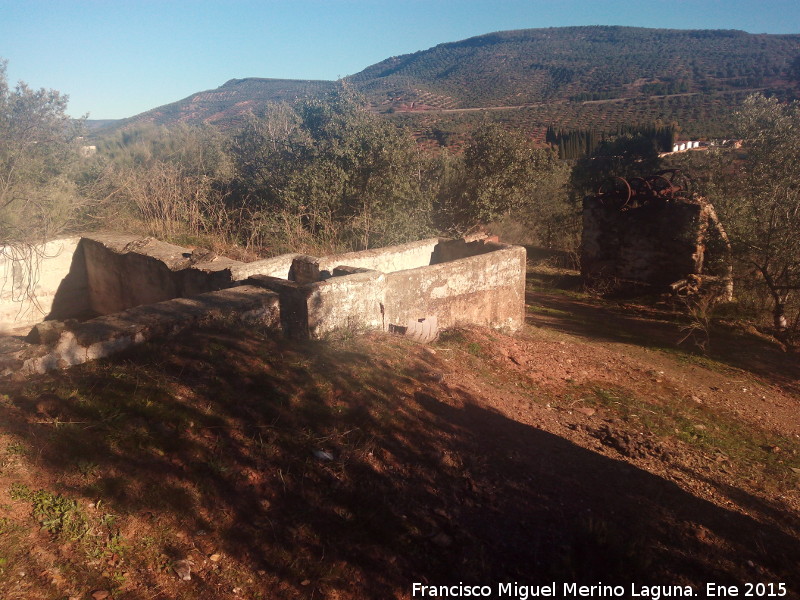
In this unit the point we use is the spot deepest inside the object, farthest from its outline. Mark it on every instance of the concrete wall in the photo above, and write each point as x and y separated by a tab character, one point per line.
485	286
105	273
276	266
386	260
76	343
125	271
351	299
143	288
34	279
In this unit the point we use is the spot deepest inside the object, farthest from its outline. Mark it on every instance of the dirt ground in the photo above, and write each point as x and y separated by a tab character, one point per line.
589	448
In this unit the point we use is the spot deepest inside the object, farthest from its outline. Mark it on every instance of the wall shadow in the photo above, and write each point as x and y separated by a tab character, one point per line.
221	430
71	300
651	327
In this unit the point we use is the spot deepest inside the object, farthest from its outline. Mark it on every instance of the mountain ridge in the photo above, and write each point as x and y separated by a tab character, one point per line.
524	67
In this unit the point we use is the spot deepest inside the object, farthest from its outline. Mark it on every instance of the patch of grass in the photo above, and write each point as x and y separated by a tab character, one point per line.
564	282
475	349
451	337
716	433
692	358
64	518
57	514
550	312
87	468
16	449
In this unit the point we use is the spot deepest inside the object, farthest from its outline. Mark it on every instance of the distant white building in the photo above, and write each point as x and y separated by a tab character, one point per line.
683	146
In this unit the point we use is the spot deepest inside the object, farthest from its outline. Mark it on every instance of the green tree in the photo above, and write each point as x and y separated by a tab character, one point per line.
628	154
171	183
762	211
501	173
39	155
329	173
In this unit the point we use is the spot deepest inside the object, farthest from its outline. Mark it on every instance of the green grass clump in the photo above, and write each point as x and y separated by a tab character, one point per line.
57	514
747	447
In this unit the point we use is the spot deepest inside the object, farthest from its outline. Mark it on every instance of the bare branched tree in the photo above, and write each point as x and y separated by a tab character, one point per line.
38	155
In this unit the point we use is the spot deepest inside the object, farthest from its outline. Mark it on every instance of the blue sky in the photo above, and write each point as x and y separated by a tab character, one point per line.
117	58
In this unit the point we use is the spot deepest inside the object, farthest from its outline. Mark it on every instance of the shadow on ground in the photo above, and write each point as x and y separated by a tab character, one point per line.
348	470
653	327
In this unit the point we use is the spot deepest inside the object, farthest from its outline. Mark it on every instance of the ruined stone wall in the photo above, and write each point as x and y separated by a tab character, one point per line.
105	273
142	288
71	344
447	250
387	260
485	286
126	271
658	243
351	299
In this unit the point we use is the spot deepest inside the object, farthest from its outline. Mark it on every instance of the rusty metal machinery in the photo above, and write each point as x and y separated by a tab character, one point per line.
664	186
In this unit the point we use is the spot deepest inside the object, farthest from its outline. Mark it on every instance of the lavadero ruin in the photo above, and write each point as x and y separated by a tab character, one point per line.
652	232
81	298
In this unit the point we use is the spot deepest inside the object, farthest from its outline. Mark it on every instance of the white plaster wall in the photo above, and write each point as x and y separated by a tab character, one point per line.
486	289
386	260
349	302
30	279
276	266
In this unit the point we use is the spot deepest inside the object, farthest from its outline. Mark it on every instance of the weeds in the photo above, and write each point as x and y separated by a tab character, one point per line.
452	337
64	518
475	349
712	432
57	514
87	468
700	309
16	449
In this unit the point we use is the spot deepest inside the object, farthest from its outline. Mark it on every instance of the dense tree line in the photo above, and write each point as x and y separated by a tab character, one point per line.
318	175
577	143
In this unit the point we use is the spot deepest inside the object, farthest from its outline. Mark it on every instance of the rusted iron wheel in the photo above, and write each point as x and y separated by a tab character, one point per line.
681	182
641	191
661	186
616	189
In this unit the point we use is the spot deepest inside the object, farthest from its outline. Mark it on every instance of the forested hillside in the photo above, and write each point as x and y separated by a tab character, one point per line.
569	77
